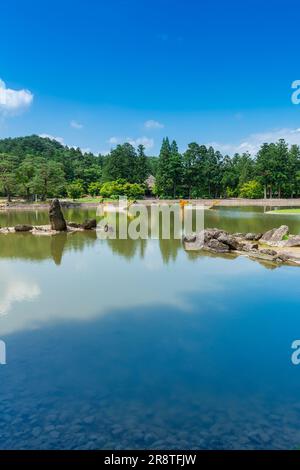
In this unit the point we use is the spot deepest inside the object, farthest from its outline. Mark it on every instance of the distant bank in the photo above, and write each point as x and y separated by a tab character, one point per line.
209	203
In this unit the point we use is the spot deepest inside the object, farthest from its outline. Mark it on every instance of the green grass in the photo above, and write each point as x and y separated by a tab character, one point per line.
285	211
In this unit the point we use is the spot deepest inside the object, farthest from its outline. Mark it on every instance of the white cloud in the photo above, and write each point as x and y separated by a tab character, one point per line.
145	141
151	124
76	125
113	140
104	151
13	101
85	150
254	141
51	137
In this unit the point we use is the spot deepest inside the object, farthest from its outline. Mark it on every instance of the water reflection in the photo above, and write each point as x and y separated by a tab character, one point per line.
14	288
40	248
138	344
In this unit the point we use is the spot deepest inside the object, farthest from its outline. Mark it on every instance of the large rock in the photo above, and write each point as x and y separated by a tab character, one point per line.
292	241
268	235
274	237
23	228
190	238
216	246
56	217
250	236
229	240
253	236
250	246
89	224
197	241
194	241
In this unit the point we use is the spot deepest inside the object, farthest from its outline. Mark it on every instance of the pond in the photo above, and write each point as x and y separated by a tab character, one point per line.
116	344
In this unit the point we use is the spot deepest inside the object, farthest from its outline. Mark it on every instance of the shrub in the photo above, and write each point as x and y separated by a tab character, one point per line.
230	192
75	190
94	189
120	187
251	190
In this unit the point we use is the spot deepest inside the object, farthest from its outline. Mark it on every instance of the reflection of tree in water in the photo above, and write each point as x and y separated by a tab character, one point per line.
169	249
40	248
128	248
12	218
25	246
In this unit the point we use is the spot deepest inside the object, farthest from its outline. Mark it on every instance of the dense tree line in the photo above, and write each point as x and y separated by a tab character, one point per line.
202	172
33	167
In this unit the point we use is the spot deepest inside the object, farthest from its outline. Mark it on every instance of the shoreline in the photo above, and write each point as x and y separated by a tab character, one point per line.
208	203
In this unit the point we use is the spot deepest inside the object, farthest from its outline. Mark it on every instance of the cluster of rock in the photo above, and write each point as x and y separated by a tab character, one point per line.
57	224
252	244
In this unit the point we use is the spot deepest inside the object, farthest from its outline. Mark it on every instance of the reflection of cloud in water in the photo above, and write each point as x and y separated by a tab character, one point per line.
16	290
91	283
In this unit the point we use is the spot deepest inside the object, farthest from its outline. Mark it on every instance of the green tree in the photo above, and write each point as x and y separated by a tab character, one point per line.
25	176
75	190
265	163
192	169
175	168
293	171
170	170
8	169
142	165
164	184
281	163
121	163
49	179
212	172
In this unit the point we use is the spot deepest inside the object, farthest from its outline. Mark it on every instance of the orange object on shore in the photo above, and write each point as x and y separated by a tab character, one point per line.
183	203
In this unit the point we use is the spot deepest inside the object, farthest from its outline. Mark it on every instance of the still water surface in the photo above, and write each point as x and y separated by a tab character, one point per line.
138	344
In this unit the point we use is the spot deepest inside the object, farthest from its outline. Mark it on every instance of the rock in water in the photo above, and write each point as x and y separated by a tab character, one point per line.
216	246
74	225
293	241
250	236
274	236
89	224
230	241
190	238
253	236
56	217
268	251
23	228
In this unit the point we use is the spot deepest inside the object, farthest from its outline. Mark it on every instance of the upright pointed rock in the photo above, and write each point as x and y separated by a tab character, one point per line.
56	217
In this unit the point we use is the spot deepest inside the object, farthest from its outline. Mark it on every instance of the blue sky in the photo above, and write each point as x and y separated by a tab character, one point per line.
96	73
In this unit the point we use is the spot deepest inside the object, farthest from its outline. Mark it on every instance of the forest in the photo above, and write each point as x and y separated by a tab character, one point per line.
36	168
